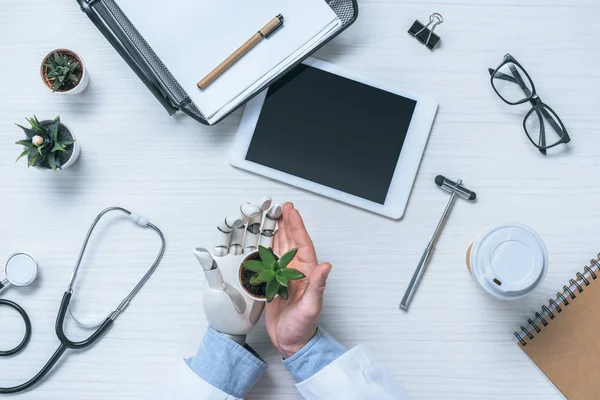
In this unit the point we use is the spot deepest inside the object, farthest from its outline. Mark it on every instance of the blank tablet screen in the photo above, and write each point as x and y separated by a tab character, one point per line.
333	131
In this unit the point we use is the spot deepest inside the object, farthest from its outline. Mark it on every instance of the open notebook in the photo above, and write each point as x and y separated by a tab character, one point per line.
193	37
562	338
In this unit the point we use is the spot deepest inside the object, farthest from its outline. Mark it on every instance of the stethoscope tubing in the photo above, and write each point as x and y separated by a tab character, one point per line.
26	320
65	342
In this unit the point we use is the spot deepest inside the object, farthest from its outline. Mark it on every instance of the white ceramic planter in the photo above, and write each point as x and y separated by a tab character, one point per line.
76	150
249	256
83	82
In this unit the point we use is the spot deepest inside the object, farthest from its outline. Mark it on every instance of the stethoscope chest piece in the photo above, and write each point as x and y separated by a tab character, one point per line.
20	269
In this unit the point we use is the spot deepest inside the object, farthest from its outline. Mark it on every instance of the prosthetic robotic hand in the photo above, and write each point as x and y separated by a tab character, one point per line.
228	309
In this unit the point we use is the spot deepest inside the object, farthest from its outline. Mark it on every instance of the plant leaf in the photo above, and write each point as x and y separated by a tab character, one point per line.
267	256
254	281
292	274
287	258
27	151
57	147
254	266
283	292
28	132
34	160
283	281
266	276
66	143
35	124
52	161
53	130
24	142
272	289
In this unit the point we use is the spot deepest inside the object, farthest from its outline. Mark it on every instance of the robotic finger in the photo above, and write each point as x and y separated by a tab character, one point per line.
270	225
215	281
253	229
224	230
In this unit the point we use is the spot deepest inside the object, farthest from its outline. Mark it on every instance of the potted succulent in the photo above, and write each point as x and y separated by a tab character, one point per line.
263	274
63	72
49	144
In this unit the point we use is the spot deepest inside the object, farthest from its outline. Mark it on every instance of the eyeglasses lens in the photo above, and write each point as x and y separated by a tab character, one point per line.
512	83
543	127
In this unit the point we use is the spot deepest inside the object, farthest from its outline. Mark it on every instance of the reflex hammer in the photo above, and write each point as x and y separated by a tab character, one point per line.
455	188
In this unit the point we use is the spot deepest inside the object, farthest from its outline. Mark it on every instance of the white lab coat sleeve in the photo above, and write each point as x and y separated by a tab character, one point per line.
356	375
181	383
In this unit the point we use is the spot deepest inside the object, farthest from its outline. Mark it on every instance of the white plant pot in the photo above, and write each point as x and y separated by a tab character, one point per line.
249	256
74	155
83	82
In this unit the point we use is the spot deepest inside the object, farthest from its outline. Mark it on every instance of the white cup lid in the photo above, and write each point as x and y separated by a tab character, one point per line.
509	260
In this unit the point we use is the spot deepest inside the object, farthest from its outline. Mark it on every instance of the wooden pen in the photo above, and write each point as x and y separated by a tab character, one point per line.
263	33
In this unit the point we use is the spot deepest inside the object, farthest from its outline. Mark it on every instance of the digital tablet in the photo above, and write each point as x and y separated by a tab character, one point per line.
338	134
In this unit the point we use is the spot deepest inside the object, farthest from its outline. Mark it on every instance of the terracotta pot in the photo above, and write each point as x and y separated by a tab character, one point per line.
83	81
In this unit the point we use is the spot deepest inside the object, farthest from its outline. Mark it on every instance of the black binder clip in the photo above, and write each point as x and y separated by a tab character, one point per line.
424	33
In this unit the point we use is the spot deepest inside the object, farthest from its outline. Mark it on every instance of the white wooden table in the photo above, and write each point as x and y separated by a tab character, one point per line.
455	343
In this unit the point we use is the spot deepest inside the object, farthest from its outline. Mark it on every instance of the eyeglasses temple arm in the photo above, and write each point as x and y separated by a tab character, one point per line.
500	75
519	80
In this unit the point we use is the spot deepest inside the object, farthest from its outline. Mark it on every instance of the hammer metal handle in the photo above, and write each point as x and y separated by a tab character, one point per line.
418	275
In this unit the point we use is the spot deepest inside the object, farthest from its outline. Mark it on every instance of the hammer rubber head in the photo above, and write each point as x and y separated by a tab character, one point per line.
448	185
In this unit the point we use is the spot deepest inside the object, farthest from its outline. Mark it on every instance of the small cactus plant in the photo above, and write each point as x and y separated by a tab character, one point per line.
47	144
273	272
62	71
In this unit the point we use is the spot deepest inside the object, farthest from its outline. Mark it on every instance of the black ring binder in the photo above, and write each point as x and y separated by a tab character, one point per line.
567	289
529	335
564	299
554	305
583	278
539	316
530	322
588	269
579	288
547	310
520	339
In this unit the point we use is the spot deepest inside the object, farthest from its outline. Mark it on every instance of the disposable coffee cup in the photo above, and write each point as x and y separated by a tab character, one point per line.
509	261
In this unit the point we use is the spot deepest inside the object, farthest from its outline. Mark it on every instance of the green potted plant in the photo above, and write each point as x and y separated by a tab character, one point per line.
49	144
64	72
263	274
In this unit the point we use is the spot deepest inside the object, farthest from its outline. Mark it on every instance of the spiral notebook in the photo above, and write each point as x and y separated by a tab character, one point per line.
562	338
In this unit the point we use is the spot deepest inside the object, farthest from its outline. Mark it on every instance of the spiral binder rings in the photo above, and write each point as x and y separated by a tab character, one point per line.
561	338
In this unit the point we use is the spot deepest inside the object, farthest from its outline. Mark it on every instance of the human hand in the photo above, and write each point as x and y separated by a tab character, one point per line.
293	322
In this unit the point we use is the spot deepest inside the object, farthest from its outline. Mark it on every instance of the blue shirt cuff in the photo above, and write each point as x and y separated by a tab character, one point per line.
318	353
226	365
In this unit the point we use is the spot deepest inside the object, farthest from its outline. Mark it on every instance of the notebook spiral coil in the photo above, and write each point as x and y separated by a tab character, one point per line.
556	306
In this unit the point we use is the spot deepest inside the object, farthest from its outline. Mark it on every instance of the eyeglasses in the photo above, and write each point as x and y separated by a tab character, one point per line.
514	86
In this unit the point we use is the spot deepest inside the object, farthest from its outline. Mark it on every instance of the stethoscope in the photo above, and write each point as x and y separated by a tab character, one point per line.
21	270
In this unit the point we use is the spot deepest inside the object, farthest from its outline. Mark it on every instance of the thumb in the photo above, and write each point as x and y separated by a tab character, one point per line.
317	282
